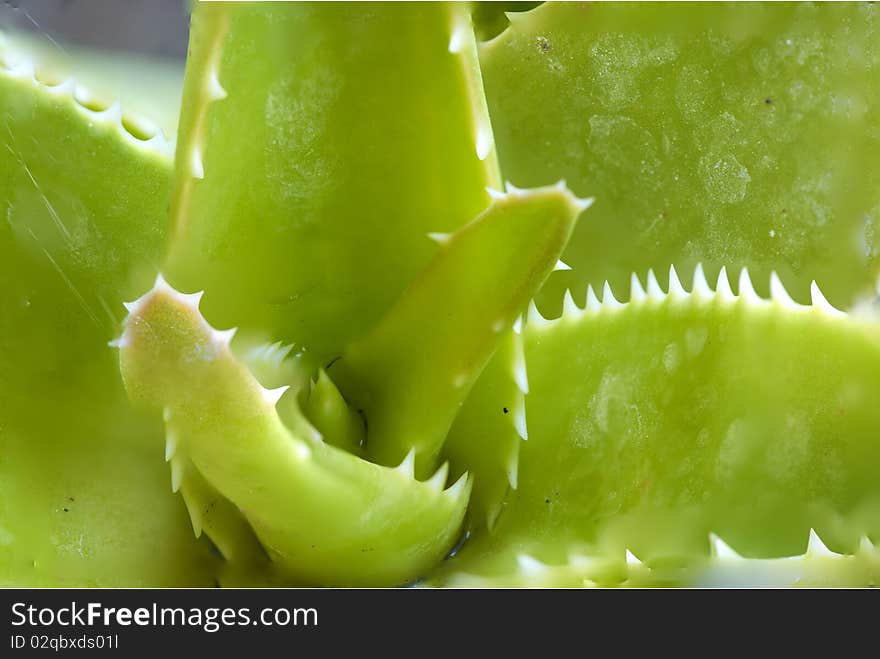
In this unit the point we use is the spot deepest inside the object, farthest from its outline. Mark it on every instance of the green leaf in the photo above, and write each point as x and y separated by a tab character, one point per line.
84	495
487	433
319	144
324	516
148	87
732	134
413	371
656	423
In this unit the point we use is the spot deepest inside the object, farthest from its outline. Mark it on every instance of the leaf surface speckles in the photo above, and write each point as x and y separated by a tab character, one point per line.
722	133
656	423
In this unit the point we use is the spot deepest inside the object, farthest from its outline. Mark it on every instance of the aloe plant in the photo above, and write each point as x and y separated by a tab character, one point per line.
371	338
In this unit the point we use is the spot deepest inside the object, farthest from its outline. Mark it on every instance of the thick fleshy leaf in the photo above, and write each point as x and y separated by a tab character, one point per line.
411	373
656	423
84	496
331	415
732	134
324	516
485	438
319	144
148	87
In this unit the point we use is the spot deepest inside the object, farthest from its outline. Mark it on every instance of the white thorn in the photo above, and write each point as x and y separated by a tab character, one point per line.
653	286
118	342
160	283
194	515
225	336
484	140
83	96
593	303
569	307
700	287
198	168
440	238
721	549
561	265
746	289
583	203
608	299
170	446
65	88
815	546
438	481
513	470
511	189
159	142
778	292
215	89
497	195
176	474
676	290
272	396
529	566
192	299
113	113
631	558
407	466
517	325
821	303
865	545
458	488
519	420
458	38
520	373
535	319
722	288
130	306
636	292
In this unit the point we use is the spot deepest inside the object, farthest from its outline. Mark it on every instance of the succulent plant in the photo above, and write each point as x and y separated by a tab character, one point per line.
437	377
